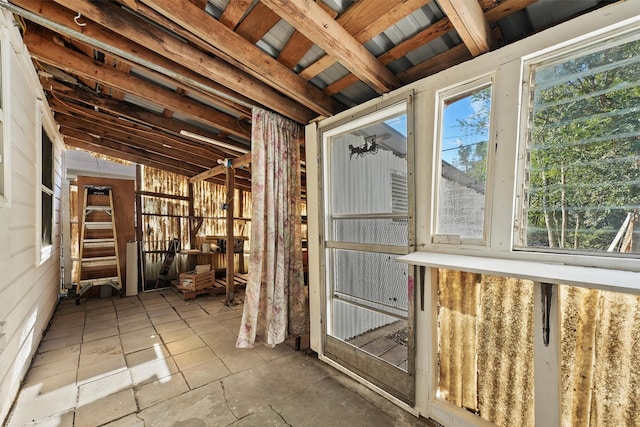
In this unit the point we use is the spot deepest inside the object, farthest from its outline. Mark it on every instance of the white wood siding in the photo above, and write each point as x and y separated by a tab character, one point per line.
29	285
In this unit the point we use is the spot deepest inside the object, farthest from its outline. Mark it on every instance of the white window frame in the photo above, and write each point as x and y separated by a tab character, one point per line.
594	43
441	96
42	125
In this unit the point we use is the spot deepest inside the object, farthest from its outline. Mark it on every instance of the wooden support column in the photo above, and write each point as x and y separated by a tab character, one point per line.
231	288
192	229
139	228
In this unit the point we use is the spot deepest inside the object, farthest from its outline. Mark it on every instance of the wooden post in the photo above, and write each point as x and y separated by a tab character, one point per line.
192	228
231	182
139	228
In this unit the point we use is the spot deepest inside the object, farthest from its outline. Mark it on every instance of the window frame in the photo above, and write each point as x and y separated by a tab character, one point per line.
593	43
43	126
460	91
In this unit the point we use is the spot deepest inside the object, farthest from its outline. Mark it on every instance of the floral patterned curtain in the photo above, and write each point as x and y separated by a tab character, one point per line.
275	304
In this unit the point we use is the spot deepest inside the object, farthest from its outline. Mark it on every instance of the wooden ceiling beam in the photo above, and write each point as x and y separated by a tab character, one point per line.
446	59
84	143
365	20
130	111
217	94
133	140
91	144
232	47
298	44
120	126
134	154
200	3
506	8
66	59
238	162
470	23
154	38
257	23
309	19
432	32
234	12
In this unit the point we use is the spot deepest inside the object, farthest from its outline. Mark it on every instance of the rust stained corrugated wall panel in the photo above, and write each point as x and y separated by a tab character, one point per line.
485	338
457	338
600	346
167	218
505	351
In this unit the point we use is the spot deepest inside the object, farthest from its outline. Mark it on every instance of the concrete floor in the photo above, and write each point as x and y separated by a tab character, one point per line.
156	360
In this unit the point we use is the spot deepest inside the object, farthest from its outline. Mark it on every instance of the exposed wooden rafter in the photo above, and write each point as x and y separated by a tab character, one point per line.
470	23
312	21
137	77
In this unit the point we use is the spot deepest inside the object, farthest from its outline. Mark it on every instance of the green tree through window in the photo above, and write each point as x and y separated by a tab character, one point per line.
583	176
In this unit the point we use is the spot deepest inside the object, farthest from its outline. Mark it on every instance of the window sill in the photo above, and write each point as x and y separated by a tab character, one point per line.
558	273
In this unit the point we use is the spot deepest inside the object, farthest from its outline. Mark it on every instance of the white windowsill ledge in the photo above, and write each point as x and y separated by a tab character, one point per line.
614	280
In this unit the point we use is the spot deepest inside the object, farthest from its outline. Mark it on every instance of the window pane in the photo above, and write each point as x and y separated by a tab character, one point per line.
371	303
47	161
368	173
582	183
47	218
464	136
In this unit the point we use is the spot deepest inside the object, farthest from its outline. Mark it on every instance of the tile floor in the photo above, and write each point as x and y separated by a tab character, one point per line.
156	360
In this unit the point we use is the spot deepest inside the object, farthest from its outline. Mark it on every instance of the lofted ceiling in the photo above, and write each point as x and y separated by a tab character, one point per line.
171	83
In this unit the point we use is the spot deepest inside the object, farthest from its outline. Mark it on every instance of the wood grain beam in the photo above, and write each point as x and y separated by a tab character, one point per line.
309	19
506	8
364	20
448	58
150	36
128	111
231	101
238	162
130	153
298	44
470	23
85	143
135	140
237	51
69	114
66	59
432	32
257	23
234	12
76	138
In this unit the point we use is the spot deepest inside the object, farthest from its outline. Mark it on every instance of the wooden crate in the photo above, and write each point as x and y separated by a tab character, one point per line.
195	282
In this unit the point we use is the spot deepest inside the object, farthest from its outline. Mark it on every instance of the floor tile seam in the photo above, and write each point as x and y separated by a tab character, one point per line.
199	364
149	380
164	400
7	421
27	381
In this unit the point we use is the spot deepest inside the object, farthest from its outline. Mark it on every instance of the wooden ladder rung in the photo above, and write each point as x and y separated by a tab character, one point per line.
99	243
103	261
98	208
98	225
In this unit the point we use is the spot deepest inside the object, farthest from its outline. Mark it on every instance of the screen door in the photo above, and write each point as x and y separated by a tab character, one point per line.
368	199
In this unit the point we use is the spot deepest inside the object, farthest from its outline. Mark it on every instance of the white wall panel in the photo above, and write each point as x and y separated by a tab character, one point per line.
28	286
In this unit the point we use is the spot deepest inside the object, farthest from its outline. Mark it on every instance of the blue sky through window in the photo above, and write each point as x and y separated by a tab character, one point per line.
454	136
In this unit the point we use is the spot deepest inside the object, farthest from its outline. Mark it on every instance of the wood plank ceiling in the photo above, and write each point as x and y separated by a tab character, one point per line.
153	81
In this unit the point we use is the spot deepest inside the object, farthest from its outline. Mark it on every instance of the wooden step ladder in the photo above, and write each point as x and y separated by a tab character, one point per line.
99	261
